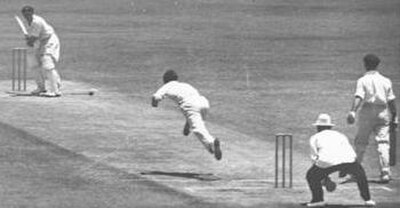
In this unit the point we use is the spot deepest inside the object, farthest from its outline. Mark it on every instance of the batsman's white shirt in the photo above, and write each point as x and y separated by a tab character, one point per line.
193	106
48	39
374	88
330	147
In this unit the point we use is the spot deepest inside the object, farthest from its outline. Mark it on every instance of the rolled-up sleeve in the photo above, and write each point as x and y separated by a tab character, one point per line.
360	92
390	94
313	149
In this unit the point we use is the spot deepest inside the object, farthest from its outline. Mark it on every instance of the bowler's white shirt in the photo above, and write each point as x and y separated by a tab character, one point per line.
330	147
374	88
179	92
40	28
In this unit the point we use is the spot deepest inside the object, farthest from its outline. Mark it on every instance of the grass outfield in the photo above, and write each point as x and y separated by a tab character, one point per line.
36	173
266	66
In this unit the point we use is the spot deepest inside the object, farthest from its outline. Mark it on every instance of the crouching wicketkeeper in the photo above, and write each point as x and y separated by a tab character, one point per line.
331	152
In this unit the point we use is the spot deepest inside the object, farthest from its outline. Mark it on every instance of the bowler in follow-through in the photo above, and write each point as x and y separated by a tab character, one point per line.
193	106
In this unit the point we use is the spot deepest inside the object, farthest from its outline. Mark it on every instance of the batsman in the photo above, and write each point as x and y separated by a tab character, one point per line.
41	36
377	114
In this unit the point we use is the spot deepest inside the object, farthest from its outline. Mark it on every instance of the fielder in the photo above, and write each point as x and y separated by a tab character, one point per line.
331	151
47	53
374	93
193	106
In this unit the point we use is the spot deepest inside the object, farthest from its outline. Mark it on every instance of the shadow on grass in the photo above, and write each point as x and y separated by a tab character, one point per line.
338	205
380	205
375	181
344	206
197	176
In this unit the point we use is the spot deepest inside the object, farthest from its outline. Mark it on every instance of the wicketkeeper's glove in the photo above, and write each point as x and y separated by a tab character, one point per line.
329	184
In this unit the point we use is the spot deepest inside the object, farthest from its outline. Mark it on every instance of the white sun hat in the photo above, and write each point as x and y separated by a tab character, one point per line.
323	120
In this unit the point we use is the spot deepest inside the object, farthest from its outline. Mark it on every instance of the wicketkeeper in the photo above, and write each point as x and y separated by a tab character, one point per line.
331	151
193	106
47	53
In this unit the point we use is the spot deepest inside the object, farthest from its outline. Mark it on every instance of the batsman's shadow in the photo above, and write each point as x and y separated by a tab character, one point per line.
196	176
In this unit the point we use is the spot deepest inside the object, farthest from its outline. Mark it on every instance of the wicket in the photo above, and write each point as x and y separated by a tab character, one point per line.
19	65
285	138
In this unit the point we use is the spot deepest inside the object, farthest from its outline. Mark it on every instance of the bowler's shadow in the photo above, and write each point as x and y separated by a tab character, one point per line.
196	176
376	181
345	206
340	205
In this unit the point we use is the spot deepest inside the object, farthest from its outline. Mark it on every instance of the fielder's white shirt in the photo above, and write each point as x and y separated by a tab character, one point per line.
179	92
330	147
374	88
40	28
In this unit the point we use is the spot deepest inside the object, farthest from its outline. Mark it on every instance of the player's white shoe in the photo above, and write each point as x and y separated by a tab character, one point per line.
50	94
316	204
385	177
370	203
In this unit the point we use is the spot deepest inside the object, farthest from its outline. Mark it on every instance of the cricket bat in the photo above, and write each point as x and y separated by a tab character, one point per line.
392	142
21	25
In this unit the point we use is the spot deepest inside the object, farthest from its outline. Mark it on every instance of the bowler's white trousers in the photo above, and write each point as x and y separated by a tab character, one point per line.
195	109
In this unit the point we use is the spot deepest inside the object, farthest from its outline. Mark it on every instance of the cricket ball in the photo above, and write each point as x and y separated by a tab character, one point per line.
92	91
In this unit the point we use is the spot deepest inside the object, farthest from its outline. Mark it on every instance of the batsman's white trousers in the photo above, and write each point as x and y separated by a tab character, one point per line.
373	119
47	55
195	109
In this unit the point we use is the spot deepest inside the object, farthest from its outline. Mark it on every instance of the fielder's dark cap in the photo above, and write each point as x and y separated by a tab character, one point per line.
170	75
27	9
371	61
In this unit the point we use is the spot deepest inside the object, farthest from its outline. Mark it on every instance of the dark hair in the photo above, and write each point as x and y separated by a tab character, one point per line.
27	9
170	75
371	61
